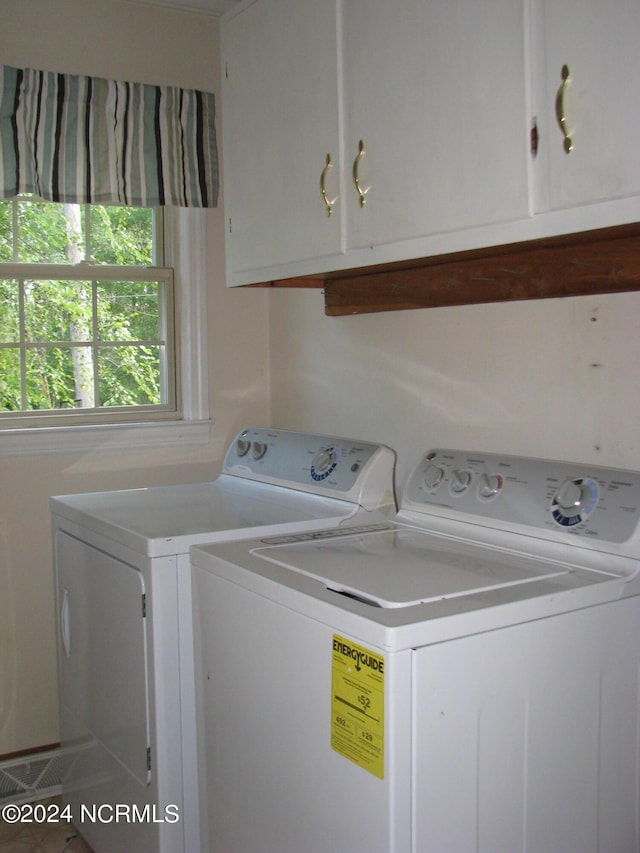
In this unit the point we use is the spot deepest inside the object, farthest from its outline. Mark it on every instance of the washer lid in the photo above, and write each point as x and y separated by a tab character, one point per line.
391	566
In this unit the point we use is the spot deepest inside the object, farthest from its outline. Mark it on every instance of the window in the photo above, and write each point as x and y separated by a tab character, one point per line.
87	319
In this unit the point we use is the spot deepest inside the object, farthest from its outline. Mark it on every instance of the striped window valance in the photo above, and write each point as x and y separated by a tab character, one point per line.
80	140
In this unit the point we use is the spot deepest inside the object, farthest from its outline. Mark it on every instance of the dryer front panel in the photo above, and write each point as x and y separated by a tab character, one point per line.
102	657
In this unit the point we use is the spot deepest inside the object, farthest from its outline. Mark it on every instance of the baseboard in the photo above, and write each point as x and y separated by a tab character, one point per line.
20	753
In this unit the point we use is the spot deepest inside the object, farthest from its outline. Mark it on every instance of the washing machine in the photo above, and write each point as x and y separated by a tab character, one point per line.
125	647
463	677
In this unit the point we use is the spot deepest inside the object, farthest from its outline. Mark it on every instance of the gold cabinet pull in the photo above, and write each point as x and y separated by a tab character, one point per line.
560	114
328	204
356	182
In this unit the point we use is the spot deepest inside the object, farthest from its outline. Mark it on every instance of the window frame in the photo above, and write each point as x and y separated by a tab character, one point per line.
185	244
92	273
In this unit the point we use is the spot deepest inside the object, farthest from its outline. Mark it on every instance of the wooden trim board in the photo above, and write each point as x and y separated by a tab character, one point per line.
603	261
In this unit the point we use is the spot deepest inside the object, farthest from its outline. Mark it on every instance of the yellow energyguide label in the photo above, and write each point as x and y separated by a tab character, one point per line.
357	705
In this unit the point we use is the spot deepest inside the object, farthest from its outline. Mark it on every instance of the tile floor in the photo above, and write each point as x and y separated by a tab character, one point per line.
41	837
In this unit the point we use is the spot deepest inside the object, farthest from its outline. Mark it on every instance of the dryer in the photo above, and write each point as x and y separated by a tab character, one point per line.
125	647
464	677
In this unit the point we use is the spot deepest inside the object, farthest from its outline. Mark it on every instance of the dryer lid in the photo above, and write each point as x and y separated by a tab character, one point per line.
167	520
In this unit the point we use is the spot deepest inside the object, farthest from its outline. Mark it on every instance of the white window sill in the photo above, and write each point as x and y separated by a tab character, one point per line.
105	438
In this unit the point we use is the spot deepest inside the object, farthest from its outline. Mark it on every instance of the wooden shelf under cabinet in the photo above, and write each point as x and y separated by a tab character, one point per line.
590	262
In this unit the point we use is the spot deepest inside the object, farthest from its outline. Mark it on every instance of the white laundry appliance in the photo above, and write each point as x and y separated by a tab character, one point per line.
462	678
125	650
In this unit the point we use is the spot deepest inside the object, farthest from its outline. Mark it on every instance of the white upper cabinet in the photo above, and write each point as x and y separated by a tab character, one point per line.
597	43
428	106
280	120
436	93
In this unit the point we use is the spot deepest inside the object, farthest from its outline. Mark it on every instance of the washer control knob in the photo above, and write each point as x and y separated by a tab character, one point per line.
490	485
242	446
433	476
460	481
259	449
574	501
569	496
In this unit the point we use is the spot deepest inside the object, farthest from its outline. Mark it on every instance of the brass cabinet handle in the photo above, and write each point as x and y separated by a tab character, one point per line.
560	115
356	163
328	204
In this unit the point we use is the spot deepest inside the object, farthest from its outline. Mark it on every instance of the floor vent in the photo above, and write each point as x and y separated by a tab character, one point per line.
32	777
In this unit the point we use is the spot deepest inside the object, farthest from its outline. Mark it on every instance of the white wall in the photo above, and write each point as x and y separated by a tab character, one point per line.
553	378
127	41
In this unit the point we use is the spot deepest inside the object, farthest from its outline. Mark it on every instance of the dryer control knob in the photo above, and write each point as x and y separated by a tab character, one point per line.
243	446
324	463
259	449
433	476
324	460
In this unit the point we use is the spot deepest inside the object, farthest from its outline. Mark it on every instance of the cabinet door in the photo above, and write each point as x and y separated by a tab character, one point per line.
280	121
436	91
598	41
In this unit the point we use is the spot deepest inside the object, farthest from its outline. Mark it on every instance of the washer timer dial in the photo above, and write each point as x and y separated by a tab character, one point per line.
574	501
